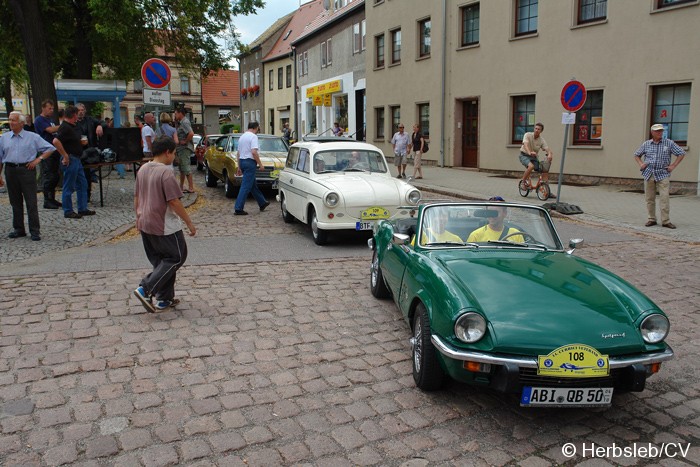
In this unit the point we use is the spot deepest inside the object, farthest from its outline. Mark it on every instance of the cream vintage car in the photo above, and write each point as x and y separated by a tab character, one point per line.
220	162
341	185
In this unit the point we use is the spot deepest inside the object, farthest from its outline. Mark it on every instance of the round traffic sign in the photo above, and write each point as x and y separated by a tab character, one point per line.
155	73
573	96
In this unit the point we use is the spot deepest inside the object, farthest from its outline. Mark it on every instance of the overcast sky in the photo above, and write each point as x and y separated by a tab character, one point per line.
250	27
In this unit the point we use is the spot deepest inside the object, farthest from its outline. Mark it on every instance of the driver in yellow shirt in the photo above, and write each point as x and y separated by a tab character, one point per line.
494	230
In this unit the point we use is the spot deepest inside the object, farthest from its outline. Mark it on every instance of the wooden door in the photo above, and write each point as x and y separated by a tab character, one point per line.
470	133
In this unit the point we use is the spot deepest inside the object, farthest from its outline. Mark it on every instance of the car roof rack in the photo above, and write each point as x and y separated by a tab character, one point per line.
328	139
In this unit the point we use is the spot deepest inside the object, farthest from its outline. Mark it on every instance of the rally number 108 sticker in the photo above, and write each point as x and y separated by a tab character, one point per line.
573	361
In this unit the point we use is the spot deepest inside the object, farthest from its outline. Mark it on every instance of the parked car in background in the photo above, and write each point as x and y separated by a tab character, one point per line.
220	162
195	141
493	299
4	126
202	146
341	184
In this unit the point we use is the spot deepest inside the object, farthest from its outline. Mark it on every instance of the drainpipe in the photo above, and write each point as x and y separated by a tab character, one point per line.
443	83
296	97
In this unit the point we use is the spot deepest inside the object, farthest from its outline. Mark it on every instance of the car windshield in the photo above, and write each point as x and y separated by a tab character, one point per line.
477	225
347	160
265	144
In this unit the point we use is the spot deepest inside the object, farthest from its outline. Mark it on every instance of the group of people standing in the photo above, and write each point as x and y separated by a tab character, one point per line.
59	148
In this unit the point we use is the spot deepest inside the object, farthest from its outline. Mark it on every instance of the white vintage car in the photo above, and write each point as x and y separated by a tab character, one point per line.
341	185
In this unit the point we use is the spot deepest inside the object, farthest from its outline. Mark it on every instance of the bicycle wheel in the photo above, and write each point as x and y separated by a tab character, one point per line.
523	188
543	191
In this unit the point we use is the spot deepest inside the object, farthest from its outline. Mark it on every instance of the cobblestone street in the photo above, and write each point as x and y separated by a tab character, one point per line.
293	362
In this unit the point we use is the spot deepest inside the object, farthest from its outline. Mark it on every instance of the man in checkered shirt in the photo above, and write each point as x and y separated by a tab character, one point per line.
656	169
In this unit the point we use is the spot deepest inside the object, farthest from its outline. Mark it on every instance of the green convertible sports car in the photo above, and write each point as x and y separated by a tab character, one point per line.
494	299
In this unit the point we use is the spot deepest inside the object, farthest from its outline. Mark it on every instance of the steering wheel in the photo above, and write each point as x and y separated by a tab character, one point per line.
525	236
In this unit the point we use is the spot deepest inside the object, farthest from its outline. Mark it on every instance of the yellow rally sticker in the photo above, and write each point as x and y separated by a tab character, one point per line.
275	173
573	361
374	213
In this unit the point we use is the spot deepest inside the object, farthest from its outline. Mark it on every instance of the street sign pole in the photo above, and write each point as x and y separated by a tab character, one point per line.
573	97
561	168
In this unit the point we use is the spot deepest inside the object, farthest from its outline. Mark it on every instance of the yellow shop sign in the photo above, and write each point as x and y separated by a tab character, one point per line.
374	213
573	361
330	87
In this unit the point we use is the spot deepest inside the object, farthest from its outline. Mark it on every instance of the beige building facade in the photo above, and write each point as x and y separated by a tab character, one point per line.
478	74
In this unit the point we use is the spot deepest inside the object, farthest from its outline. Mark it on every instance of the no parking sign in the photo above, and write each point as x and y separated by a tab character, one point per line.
155	73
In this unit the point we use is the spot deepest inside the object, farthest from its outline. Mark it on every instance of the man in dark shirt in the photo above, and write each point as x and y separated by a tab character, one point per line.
70	145
92	128
46	128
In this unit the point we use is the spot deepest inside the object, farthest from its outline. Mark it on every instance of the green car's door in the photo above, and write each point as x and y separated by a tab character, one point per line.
395	260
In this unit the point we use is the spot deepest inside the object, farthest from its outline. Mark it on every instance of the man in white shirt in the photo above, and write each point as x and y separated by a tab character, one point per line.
148	134
248	162
400	144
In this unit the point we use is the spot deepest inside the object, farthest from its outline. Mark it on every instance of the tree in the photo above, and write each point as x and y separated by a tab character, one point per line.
112	38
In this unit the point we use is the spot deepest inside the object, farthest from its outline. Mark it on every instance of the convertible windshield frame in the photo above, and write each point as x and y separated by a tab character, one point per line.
455	222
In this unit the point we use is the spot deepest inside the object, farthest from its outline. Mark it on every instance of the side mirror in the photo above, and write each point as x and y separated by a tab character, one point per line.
399	239
573	244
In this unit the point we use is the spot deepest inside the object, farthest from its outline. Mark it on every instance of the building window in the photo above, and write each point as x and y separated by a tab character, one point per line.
245	81
592	10
395	118
660	4
379	50
289	76
424	119
303	63
185	84
424	38
280	78
395	46
311	118
671	108
138	85
358	37
523	117
379	119
326	53
257	76
470	25
252	77
270	75
588	130
525	17
340	4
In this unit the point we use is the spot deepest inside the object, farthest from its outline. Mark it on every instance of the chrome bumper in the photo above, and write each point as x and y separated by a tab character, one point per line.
530	362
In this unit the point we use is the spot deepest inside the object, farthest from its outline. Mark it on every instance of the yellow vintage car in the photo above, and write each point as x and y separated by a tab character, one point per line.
220	162
4	126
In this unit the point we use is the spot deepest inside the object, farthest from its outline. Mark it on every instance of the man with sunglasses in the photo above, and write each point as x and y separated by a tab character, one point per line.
496	229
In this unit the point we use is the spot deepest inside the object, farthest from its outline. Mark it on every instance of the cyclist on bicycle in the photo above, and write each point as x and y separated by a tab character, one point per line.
533	143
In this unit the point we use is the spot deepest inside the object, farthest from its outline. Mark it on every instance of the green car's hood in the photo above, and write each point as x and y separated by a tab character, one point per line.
538	301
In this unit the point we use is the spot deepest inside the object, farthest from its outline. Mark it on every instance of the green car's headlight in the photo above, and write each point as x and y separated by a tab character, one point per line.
470	327
654	328
413	196
331	199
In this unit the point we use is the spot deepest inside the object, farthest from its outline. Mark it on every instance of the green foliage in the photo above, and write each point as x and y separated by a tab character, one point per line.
112	38
227	128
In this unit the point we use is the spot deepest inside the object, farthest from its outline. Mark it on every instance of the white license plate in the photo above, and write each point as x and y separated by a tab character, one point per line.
364	225
571	397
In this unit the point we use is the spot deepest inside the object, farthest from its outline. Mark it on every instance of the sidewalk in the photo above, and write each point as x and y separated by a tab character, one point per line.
605	204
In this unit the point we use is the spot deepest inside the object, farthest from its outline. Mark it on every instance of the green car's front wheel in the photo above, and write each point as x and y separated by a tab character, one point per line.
376	280
427	372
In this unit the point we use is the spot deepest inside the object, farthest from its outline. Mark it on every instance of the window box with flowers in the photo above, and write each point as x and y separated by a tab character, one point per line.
256	89
244	93
251	91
